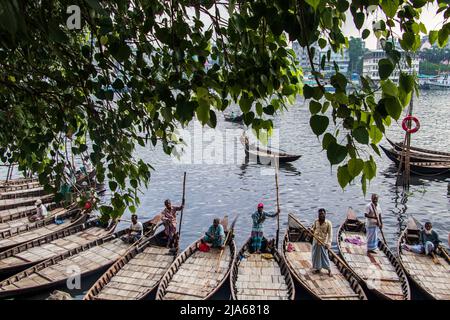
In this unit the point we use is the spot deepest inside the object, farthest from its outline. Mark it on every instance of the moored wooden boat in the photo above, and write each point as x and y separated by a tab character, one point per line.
235	119
421	168
82	261
432	278
67	217
343	285
197	275
15	187
254	277
135	275
415	156
27	254
6	204
23	193
400	146
381	273
18	181
265	156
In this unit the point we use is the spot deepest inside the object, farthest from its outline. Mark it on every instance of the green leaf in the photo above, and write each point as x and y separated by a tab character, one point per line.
343	176
390	7
361	135
433	36
112	185
355	166
328	139
365	33
203	111
375	134
406	82
336	153
370	168
313	3
314	107
393	107
359	20
385	68
342	5
389	88
319	124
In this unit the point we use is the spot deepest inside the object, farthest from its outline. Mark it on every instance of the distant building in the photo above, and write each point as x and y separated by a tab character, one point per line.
370	66
341	58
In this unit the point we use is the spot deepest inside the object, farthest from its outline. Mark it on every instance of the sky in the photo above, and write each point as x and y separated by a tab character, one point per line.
428	17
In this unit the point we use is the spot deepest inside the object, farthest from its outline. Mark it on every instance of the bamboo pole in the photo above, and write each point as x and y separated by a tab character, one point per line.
182	203
278	202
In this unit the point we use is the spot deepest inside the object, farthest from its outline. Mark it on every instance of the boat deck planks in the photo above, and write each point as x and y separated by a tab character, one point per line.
22	222
21	193
6	204
336	287
375	269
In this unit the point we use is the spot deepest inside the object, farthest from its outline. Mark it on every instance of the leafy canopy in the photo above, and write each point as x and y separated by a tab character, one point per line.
136	71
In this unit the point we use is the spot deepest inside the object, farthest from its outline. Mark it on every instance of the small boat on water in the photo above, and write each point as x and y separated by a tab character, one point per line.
261	276
343	285
415	156
432	278
266	156
420	168
67	217
197	275
27	254
441	82
399	147
135	275
82	260
381	273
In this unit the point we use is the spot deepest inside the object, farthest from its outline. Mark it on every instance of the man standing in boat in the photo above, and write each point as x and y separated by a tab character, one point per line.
373	223
323	235
169	219
258	217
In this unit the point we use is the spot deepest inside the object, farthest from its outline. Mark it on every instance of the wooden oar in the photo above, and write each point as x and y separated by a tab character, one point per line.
278	202
230	233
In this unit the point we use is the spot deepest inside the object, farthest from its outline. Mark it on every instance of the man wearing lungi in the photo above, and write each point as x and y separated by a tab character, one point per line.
373	223
323	231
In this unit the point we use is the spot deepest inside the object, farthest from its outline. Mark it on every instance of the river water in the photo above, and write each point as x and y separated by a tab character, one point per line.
235	188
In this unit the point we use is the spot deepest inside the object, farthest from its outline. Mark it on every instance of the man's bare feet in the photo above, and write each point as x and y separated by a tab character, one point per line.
329	273
315	271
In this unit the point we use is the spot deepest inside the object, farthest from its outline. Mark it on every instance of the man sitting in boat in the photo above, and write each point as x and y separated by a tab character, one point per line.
215	237
41	211
169	219
258	217
323	231
428	242
135	231
373	223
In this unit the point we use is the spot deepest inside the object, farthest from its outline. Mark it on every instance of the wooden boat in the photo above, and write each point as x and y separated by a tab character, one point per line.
421	168
254	277
18	181
266	156
33	230
82	260
137	273
381	273
433	279
25	186
235	119
417	157
7	204
23	193
343	285
19	217
25	255
197	275
400	146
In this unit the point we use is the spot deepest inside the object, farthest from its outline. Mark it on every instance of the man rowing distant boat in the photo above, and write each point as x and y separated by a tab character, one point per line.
169	219
373	223
322	230
258	217
215	237
428	242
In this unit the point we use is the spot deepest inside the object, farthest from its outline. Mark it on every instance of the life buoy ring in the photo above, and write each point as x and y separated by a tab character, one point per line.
412	130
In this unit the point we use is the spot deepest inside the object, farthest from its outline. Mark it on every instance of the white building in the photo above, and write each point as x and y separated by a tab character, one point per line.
341	58
370	66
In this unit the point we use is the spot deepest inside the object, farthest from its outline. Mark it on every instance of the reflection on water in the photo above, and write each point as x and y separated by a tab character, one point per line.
305	185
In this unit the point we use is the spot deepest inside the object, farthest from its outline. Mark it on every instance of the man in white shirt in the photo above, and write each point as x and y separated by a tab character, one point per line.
373	223
41	211
135	231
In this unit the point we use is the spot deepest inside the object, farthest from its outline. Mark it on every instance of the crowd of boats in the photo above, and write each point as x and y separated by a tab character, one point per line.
43	254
